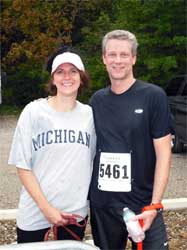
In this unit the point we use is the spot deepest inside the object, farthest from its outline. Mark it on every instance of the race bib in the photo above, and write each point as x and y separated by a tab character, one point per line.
115	172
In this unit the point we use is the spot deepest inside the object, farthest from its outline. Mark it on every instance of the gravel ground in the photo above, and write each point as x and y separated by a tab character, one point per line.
176	221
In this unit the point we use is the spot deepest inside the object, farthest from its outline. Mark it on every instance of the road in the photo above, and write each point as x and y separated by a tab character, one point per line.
10	184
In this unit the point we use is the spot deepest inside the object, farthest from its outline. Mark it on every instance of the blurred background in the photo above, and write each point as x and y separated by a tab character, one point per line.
32	30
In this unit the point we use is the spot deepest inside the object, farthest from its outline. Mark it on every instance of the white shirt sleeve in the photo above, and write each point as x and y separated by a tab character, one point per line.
21	148
93	144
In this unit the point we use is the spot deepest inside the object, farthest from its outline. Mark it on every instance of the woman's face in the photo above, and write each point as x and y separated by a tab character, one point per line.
67	79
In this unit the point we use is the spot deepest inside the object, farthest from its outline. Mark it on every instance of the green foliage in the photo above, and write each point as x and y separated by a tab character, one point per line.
91	44
9	110
24	84
160	27
32	30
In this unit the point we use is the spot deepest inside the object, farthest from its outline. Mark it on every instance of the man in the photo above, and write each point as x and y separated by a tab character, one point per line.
132	161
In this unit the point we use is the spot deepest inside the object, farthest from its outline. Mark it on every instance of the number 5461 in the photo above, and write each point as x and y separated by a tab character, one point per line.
113	171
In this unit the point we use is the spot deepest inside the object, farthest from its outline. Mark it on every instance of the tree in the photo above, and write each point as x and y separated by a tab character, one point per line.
31	30
160	27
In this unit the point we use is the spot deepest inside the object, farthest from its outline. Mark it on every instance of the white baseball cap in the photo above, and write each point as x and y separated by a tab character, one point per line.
67	57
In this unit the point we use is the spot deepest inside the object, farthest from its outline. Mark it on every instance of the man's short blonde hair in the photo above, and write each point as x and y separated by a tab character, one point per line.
121	35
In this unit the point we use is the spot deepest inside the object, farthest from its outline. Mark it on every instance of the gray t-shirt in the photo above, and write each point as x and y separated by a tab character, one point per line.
59	148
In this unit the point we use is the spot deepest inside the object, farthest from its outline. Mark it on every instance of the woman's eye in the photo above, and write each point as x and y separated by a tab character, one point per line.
70	72
74	71
59	71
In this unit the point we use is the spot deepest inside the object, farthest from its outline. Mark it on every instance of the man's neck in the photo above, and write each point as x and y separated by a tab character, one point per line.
120	86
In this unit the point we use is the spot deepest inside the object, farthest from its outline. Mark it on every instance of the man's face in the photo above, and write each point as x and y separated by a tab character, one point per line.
119	59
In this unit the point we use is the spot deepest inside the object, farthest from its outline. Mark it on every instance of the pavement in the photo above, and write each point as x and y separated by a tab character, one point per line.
10	184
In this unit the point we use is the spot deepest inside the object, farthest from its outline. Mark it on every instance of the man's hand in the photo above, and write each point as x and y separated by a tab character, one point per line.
147	217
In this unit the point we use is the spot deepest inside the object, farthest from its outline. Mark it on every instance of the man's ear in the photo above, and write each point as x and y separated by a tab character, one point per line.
134	60
103	56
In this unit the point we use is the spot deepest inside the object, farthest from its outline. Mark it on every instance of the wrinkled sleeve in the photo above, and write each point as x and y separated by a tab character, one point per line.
93	145
20	152
160	115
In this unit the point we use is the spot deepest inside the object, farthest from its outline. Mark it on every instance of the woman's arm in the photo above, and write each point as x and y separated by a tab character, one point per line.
29	181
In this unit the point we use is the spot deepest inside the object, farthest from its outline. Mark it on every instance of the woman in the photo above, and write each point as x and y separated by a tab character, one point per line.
53	149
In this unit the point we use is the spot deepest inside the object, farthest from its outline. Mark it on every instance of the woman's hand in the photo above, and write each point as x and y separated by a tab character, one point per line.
55	216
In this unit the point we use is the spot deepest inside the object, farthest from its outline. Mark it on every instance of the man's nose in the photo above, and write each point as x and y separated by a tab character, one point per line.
118	58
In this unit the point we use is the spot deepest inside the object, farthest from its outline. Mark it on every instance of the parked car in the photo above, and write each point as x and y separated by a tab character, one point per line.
177	94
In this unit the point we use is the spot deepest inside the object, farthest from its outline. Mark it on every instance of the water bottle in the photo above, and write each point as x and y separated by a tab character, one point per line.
133	226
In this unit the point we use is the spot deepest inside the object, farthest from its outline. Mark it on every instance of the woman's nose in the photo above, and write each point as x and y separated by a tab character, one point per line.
67	75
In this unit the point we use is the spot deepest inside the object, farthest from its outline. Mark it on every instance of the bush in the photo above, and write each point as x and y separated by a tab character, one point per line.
24	83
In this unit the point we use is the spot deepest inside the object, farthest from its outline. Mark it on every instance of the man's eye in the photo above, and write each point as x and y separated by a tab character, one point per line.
124	55
111	55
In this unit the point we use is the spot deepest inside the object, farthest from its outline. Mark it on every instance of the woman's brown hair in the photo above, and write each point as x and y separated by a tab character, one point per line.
85	79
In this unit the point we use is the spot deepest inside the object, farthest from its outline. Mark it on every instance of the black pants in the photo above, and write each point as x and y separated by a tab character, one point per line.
38	235
109	231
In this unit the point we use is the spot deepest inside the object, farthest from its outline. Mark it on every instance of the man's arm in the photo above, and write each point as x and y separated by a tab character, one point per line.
32	186
163	162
